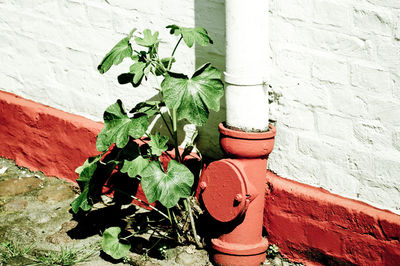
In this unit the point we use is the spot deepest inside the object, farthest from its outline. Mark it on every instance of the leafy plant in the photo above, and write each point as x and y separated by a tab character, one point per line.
272	251
12	249
66	256
122	143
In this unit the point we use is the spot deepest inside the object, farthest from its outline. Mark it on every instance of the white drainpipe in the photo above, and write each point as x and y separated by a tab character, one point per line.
246	64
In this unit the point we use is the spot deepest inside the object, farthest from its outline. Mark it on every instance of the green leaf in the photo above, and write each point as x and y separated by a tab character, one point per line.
158	144
148	39
139	56
147	70
137	71
121	50
194	97
118	127
174	29
92	176
86	170
129	152
135	167
168	187
111	244
191	35
81	201
149	108
131	33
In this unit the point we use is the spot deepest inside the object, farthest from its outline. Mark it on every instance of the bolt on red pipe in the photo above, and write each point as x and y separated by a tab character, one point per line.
232	191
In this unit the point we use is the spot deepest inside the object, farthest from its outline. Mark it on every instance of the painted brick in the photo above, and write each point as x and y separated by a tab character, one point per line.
339	178
388	53
309	224
285	32
313	170
150	6
385	110
380	194
346	102
7	40
347	48
329	69
299	118
309	95
334	126
360	163
75	12
99	16
386	3
396	139
331	13
51	51
353	81
295	63
372	133
395	85
312	226
81	60
375	80
322	150
372	21
293	9
397	26
388	169
25	115
339	43
284	139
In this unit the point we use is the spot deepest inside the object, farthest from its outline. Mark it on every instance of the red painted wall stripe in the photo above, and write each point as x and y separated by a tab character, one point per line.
309	224
43	138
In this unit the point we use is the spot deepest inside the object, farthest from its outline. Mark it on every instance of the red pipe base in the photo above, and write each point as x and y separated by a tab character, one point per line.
239	254
239	249
229	259
232	191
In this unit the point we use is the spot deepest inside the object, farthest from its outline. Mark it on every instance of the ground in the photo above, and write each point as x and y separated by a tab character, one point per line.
37	227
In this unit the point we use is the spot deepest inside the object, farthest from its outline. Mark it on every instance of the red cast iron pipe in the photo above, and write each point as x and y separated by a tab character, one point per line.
232	191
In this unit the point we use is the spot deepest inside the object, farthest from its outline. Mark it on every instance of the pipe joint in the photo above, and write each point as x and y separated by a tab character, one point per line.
244	80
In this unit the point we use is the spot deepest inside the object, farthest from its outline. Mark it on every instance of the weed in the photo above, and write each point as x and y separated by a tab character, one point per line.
12	249
65	257
272	251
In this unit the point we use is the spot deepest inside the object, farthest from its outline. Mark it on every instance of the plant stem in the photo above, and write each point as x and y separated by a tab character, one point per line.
175	136
176	223
166	124
172	55
169	216
150	206
189	210
141	201
155	244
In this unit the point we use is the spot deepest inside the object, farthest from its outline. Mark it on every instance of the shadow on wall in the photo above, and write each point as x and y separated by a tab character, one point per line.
211	15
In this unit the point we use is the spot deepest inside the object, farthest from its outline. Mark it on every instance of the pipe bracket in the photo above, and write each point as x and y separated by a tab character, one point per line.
242	80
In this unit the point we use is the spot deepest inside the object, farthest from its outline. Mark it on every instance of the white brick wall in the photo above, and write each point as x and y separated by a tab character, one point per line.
335	63
51	49
350	56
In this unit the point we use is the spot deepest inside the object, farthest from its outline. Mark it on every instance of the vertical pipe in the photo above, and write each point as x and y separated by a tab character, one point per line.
246	64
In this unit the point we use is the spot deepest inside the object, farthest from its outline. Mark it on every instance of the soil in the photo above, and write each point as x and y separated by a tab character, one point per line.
37	227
